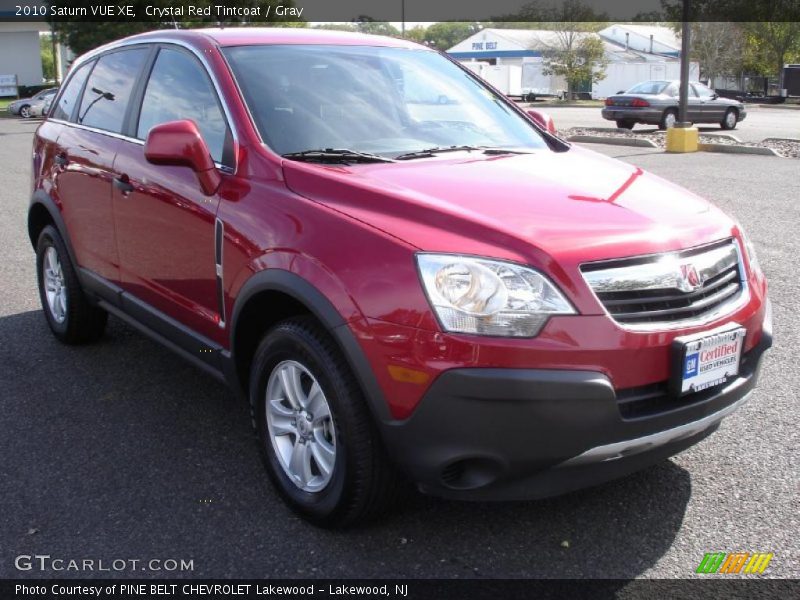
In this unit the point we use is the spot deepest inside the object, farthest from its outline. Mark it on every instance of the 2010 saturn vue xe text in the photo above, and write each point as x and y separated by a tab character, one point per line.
405	289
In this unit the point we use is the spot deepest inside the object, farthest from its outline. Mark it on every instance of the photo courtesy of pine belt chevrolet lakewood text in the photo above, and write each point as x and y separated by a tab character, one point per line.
406	290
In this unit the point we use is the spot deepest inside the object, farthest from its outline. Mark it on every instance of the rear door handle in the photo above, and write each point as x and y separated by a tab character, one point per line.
61	160
123	184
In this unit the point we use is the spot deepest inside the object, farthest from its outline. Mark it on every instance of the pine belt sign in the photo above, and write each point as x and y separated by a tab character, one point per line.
8	85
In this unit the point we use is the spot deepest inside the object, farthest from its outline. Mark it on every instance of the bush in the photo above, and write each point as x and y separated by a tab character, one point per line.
26	91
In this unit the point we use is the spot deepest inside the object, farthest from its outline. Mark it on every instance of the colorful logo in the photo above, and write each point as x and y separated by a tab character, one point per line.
690	278
734	563
691	366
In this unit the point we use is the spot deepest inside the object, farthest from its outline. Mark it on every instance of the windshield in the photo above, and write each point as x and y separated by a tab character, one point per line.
377	100
648	87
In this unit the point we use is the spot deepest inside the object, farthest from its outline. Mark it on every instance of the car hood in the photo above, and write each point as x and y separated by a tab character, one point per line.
573	206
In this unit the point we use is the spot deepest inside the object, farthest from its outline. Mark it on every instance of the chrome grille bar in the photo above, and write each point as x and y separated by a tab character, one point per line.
669	289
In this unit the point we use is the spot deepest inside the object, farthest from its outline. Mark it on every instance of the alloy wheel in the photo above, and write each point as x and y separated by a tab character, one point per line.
54	285
300	426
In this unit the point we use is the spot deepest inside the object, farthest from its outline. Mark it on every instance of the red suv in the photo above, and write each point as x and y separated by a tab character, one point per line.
407	276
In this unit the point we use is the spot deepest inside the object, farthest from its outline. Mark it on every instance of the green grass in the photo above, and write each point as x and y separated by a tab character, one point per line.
4	102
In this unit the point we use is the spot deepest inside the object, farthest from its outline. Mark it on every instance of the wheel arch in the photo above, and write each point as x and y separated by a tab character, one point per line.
273	295
42	212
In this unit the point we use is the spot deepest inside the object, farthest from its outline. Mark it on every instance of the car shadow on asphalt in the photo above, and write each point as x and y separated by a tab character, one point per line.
122	449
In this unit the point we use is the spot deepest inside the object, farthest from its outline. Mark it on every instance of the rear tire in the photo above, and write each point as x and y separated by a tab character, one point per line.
730	119
70	315
625	124
341	475
668	119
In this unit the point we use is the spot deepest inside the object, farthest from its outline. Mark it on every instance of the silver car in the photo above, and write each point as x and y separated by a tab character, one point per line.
22	107
42	107
656	103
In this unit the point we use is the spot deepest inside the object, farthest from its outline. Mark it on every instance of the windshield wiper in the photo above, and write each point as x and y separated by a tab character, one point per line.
428	152
336	155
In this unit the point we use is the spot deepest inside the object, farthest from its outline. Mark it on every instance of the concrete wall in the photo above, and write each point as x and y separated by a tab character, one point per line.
20	54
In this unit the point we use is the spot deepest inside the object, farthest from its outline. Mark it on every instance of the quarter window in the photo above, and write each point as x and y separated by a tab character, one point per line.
67	101
179	88
109	89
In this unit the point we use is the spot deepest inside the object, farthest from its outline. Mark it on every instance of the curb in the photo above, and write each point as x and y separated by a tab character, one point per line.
780	106
606	129
613	141
552	105
727	149
724	136
780	139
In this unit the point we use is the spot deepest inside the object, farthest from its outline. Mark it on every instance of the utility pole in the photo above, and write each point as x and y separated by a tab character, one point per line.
403	17
685	46
54	49
683	137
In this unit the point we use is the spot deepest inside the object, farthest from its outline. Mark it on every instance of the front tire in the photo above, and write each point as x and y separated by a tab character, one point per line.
320	447
70	315
730	119
25	112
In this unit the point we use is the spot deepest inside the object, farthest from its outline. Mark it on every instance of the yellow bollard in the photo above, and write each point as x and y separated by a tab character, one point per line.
682	139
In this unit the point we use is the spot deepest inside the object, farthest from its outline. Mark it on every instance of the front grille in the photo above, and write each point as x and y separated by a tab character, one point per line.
668	288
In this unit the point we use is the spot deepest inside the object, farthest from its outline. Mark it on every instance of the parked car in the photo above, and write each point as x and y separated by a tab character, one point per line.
22	107
656	103
41	107
468	303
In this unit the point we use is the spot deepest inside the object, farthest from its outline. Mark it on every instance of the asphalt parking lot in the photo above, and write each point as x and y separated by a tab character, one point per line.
760	122
120	450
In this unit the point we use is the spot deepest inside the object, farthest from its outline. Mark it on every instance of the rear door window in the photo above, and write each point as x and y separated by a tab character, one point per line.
68	100
109	89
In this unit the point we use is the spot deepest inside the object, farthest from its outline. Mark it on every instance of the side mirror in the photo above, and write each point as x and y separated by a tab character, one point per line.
544	120
179	144
714	96
621	92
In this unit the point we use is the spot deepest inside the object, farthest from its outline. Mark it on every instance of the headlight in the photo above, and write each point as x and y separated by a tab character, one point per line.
489	297
750	249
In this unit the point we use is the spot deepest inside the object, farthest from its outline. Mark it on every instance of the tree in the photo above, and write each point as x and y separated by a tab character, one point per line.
367	25
775	43
444	36
577	56
718	47
534	14
81	34
773	27
48	60
416	34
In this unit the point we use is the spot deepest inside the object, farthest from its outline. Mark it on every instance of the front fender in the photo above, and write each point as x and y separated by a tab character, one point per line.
306	286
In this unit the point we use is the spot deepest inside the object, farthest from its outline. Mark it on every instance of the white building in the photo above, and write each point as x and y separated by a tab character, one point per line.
20	52
649	39
499	54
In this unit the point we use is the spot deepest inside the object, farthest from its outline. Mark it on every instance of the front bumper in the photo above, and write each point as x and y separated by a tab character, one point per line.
510	434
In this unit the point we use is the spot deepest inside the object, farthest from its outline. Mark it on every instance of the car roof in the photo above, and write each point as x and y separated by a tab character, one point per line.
252	36
245	36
